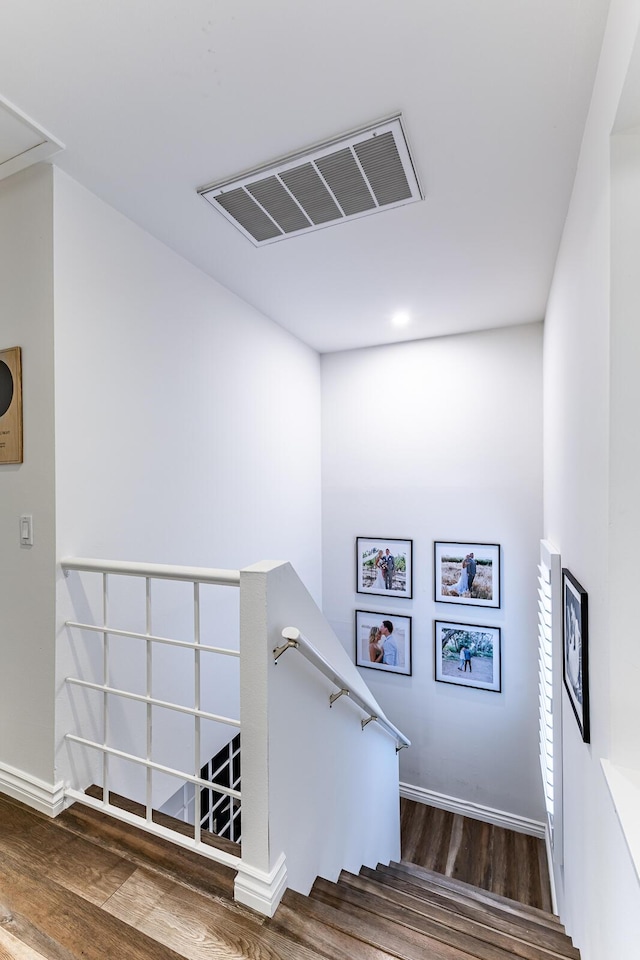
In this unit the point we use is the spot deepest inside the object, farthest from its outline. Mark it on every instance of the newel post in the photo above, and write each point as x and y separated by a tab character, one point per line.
262	877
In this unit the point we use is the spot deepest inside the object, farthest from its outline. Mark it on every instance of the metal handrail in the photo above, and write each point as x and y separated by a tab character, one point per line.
296	640
155	571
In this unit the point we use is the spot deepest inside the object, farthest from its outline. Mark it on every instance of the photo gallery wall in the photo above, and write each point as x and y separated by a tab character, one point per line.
465	574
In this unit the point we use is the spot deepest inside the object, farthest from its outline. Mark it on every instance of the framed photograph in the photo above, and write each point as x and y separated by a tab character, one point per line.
384	567
467	573
576	649
468	655
383	642
11	406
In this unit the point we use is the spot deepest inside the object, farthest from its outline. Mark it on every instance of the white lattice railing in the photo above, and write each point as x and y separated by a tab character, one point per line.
103	632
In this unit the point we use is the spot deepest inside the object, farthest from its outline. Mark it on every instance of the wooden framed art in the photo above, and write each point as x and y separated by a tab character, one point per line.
576	649
384	566
467	573
468	655
10	406
383	642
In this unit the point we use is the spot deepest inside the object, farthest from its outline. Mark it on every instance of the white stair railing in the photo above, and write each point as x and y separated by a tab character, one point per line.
105	630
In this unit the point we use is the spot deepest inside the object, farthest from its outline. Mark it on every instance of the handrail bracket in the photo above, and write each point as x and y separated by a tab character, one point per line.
336	696
278	651
363	723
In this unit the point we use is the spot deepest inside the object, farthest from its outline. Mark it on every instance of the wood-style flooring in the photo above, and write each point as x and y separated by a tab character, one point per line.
505	862
87	887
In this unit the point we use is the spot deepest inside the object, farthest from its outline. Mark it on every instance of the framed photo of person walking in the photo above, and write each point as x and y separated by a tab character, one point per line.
467	573
383	642
468	655
384	567
576	649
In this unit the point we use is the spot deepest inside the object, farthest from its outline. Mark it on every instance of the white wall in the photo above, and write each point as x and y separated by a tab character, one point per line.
601	893
187	424
441	440
27	573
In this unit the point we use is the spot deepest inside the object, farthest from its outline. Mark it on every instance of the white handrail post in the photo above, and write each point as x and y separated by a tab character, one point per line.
149	652
105	680
261	878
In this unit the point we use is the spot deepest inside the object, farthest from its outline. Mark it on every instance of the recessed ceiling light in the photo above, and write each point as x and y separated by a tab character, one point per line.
400	319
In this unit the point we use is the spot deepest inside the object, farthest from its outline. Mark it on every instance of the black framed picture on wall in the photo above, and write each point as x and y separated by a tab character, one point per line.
467	573
576	649
384	566
468	655
383	641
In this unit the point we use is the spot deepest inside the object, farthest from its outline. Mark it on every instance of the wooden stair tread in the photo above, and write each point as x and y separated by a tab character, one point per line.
377	931
294	919
479	893
457	910
348	898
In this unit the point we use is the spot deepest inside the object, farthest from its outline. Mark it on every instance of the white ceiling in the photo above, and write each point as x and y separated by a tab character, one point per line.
155	99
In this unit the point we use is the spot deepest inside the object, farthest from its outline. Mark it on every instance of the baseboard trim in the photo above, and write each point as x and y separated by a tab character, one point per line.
552	873
259	890
500	818
46	797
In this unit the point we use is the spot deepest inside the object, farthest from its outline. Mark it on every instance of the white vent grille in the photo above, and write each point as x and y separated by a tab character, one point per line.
352	176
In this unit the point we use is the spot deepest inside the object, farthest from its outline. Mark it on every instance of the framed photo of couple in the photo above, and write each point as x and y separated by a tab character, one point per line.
468	655
384	567
467	573
383	642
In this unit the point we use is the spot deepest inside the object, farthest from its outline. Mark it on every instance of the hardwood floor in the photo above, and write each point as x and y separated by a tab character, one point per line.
87	887
502	861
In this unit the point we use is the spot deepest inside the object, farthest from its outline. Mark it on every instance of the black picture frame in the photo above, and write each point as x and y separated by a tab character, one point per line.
375	582
365	621
451	639
449	560
575	650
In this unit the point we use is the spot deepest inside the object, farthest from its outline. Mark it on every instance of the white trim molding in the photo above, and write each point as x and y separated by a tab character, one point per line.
46	797
259	890
500	818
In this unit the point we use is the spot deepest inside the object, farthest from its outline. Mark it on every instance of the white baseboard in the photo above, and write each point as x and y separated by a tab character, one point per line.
259	890
500	818
46	797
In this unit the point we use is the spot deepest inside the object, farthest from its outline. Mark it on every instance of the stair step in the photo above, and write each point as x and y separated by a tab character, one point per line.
377	931
298	918
347	897
477	893
521	938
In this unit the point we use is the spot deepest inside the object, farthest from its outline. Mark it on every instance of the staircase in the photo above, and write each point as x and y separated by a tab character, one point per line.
87	886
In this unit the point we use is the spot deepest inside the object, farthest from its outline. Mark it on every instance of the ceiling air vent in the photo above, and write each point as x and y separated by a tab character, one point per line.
360	173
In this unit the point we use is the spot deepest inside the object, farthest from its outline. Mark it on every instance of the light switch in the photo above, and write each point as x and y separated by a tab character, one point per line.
26	530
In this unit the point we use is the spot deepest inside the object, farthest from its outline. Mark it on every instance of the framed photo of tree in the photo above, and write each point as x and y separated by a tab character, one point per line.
468	655
384	566
576	650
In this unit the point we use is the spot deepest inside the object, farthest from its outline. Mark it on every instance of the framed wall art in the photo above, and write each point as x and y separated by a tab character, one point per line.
384	566
383	641
468	655
467	573
576	649
10	406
